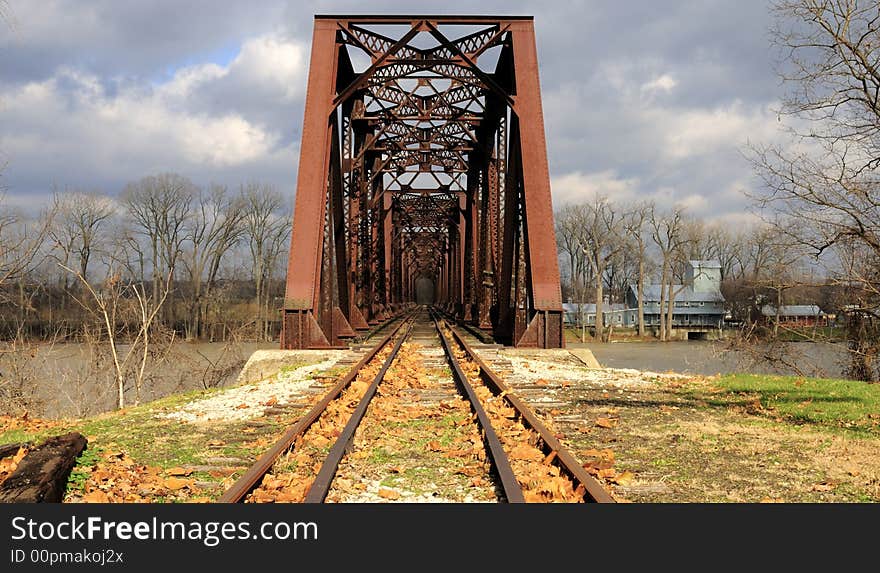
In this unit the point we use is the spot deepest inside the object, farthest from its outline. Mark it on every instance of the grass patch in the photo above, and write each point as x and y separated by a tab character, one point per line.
148	438
824	403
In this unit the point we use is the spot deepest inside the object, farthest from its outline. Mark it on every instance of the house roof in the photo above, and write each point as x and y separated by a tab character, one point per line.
652	294
792	310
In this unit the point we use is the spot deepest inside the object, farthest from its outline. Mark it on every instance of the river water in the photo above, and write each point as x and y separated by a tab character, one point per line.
707	358
73	380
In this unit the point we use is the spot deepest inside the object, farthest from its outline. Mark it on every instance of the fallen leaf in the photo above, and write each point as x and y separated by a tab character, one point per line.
177	471
175	484
387	493
607	473
525	452
96	496
606	422
624	478
824	486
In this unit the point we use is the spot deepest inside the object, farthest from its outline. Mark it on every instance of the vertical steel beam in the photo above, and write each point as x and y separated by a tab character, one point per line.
543	266
305	261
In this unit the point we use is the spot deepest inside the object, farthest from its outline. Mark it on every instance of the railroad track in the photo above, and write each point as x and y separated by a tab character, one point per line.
451	416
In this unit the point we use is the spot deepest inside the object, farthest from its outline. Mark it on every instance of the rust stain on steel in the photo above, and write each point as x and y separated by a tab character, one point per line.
413	154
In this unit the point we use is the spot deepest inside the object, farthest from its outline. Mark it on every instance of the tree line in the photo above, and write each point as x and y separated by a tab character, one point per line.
607	247
197	261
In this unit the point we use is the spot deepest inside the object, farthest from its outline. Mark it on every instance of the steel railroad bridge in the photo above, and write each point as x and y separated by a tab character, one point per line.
423	177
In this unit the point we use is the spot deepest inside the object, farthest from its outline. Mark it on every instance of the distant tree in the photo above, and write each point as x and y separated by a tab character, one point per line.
267	225
159	208
826	189
77	226
666	228
635	220
214	228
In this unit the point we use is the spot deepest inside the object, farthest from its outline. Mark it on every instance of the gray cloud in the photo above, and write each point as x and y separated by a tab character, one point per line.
641	98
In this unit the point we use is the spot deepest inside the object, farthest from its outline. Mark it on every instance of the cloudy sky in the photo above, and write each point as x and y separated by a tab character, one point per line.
641	98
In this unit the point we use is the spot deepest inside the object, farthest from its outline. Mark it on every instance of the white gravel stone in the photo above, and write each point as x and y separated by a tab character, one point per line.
251	400
531	370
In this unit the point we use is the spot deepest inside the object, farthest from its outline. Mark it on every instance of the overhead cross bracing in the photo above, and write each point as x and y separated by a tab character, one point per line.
423	158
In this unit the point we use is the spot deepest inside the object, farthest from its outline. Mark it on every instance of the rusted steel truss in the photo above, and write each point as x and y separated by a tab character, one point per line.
423	157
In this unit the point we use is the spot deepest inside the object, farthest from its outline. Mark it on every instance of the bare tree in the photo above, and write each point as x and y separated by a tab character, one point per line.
826	189
79	218
667	234
600	242
267	229
725	245
569	236
110	300
635	220
159	207
215	226
21	244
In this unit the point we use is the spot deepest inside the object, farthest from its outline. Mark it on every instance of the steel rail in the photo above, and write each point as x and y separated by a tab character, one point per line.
593	490
321	485
512	490
251	478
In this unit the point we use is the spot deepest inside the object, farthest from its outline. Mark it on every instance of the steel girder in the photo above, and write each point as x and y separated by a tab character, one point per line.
423	156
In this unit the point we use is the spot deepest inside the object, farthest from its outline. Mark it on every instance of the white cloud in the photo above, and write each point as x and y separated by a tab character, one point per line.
705	131
74	122
578	187
663	83
272	62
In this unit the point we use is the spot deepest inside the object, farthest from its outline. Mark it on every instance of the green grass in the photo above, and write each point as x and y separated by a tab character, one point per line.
151	439
823	403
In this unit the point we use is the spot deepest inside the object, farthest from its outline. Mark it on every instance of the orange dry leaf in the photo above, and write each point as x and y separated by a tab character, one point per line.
525	452
175	484
387	493
606	422
96	496
178	471
824	486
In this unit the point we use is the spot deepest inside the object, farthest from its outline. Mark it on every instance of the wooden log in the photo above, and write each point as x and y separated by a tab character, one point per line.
7	450
41	476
